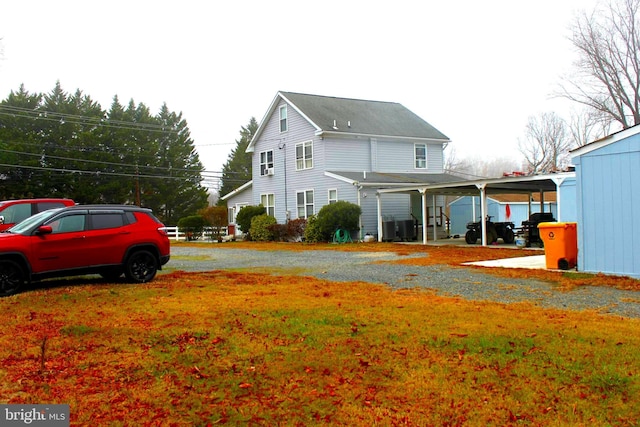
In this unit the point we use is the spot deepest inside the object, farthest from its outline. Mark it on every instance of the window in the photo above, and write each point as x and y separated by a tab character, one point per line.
16	213
269	203
305	203
43	206
68	224
421	156
283	118
106	220
333	195
304	155
266	162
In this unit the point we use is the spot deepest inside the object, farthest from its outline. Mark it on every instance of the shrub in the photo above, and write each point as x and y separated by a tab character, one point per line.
295	229
217	217
341	214
244	217
260	228
312	233
292	231
192	226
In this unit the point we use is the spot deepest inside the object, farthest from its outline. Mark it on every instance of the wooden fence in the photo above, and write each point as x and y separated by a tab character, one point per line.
207	234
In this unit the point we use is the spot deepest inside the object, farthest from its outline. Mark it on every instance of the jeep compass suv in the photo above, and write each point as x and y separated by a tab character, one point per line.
109	240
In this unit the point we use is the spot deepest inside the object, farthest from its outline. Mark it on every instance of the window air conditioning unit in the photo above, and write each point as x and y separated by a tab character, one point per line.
268	171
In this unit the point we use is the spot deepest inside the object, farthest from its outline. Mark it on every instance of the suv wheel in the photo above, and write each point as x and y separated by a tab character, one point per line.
11	277
141	267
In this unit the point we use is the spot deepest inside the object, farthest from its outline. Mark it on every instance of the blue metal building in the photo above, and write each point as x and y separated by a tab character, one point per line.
608	204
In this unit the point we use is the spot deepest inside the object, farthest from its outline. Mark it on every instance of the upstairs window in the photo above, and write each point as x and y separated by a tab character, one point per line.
266	163
304	155
283	118
420	156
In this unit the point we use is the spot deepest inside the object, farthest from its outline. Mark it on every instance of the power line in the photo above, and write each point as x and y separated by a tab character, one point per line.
75	159
63	118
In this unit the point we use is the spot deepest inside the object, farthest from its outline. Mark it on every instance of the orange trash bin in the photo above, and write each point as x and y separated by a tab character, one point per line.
560	244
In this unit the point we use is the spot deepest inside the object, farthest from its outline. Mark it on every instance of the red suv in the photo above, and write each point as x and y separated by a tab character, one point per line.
105	239
14	211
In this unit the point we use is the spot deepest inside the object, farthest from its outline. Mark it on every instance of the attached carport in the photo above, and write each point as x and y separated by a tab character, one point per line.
480	188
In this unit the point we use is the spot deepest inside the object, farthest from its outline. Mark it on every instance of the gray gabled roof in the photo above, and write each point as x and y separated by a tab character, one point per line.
331	115
357	116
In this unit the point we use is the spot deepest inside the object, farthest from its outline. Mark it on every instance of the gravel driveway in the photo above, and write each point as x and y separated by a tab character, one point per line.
469	283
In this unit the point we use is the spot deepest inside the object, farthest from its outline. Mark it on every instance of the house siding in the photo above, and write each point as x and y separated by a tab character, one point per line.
608	208
400	157
347	155
283	145
332	151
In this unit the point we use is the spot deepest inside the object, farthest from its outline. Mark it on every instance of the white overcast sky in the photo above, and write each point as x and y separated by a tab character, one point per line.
474	70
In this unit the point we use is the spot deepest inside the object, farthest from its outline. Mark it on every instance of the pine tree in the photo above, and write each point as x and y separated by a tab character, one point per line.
237	170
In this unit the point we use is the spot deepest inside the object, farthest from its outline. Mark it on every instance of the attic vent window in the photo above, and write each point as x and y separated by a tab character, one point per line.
283	118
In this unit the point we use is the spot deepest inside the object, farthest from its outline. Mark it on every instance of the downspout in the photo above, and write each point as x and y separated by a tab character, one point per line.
282	146
358	188
360	216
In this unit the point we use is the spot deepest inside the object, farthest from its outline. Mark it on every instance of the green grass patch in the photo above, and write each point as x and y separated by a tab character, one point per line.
236	348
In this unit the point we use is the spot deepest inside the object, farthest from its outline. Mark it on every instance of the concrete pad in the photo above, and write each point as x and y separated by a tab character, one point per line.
531	262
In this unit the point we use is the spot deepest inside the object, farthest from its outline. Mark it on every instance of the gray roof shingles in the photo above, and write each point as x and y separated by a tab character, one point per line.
365	117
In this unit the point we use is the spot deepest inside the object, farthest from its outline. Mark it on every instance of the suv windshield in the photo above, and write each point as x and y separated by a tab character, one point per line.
26	225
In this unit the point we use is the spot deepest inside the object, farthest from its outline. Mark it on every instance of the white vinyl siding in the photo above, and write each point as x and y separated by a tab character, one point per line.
269	203
266	161
420	153
305	205
304	155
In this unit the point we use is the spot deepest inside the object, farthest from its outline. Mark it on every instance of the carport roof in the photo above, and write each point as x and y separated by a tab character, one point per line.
520	184
387	179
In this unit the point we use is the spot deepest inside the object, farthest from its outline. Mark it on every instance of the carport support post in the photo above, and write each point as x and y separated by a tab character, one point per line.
379	203
435	231
424	216
558	182
483	212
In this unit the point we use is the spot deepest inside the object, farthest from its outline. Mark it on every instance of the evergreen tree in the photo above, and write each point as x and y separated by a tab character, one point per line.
66	146
237	170
176	191
19	146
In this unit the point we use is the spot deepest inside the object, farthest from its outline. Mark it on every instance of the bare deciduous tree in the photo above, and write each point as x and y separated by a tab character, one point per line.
607	72
466	168
546	144
587	126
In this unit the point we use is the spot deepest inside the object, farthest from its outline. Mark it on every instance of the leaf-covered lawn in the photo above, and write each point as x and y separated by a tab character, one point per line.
228	348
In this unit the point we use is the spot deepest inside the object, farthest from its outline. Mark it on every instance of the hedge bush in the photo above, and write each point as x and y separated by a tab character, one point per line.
244	217
342	214
192	226
260	228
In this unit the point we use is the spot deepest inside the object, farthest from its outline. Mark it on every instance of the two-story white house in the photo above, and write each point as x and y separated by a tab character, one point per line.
312	150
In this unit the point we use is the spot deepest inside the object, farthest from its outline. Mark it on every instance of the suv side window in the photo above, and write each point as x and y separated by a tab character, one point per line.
101	221
43	206
68	224
131	217
16	213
